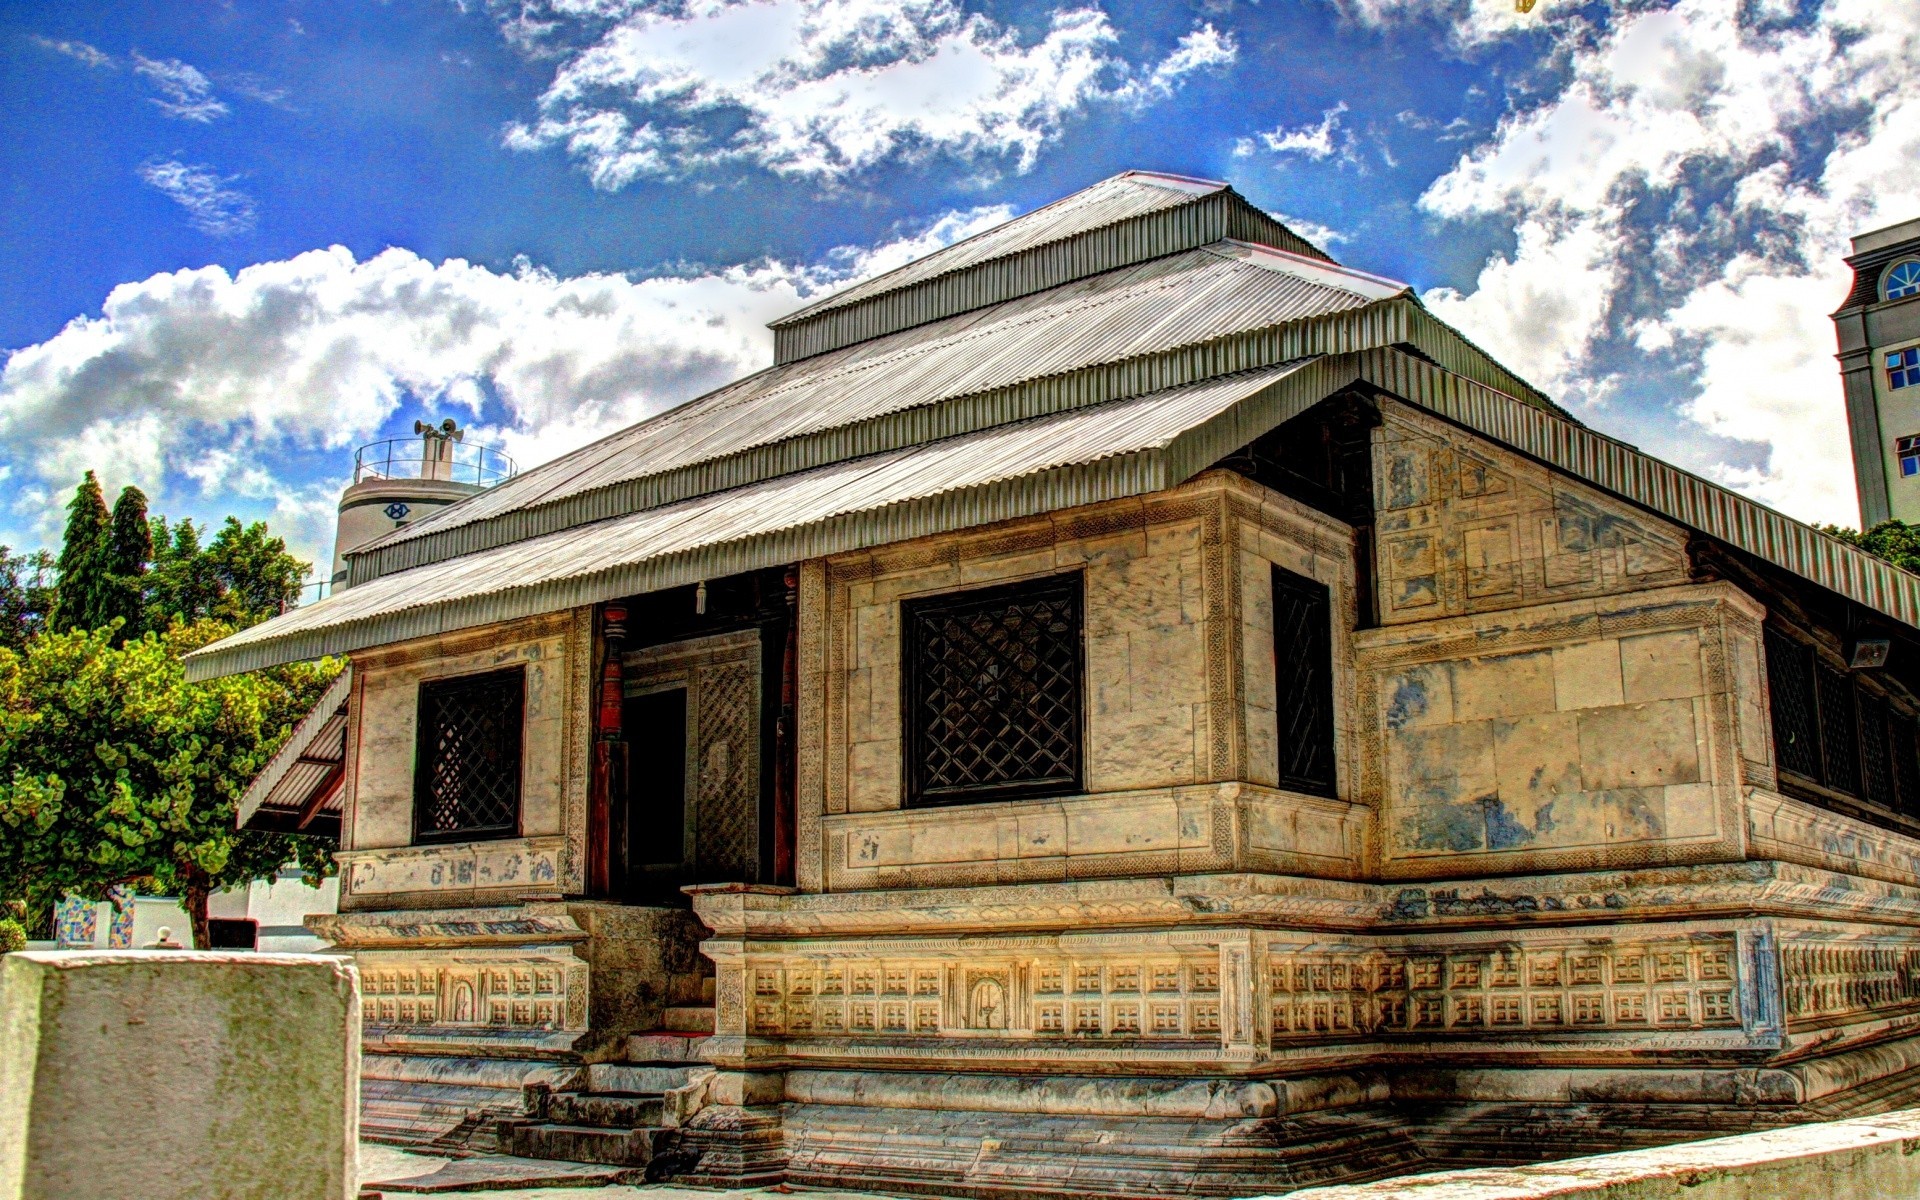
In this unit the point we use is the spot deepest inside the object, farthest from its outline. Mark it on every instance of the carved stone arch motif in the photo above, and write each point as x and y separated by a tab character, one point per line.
987	1004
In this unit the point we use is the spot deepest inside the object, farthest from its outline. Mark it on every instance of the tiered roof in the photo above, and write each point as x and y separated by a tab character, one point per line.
1110	344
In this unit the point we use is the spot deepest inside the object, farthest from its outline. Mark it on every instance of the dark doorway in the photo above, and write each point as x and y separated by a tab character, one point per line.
655	816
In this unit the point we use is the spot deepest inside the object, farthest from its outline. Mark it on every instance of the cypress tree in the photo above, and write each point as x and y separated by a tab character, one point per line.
129	549
84	588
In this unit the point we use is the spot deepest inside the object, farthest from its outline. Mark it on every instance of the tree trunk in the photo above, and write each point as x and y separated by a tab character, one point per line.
196	905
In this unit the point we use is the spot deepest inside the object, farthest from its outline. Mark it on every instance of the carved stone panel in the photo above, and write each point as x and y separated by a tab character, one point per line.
1466	526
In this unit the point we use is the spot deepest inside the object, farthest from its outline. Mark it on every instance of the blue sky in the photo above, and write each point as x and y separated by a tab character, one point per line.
241	238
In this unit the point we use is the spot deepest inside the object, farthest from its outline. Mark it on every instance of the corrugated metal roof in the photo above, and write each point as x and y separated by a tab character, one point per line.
1128	194
878	394
1120	448
1012	470
308	762
1127	219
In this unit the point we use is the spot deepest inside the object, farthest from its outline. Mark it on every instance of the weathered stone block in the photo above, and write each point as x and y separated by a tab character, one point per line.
1660	666
1587	674
176	1074
1639	745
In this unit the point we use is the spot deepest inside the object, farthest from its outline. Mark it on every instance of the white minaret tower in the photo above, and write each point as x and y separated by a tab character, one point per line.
400	480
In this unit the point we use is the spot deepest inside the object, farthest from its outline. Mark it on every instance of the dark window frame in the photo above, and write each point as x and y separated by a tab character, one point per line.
435	693
1838	741
1306	751
917	672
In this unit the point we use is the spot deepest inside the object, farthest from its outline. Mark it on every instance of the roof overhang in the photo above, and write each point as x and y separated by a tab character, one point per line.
299	790
1103	451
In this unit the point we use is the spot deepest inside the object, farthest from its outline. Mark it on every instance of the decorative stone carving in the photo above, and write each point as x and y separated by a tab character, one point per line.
1466	526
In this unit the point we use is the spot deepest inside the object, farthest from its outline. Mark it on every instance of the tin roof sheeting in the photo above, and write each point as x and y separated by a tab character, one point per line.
309	761
843	400
1128	194
1127	219
980	477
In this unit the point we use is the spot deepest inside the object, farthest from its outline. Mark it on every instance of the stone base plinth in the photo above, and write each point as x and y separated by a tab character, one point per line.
176	1075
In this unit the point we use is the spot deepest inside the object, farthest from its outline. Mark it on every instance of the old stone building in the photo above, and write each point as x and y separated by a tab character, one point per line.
1124	705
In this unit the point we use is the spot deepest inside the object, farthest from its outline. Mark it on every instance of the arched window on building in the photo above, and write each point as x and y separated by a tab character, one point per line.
1902	280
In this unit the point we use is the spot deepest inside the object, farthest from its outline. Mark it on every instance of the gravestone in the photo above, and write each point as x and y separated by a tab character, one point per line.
178	1075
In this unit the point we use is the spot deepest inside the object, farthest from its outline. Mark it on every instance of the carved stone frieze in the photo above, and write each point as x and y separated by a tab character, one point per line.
528	991
1246	996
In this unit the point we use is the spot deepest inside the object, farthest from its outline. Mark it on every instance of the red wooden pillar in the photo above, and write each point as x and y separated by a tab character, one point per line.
609	751
784	742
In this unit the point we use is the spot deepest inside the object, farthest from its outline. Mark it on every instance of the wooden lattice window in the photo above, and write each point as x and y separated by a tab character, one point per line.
993	693
1841	735
467	769
1303	682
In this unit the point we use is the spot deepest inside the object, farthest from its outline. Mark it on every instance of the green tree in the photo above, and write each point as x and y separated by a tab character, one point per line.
114	769
26	595
129	547
85	591
1895	541
243	577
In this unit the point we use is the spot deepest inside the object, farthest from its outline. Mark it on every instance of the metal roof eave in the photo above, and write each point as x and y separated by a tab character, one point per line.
1546	436
305	732
1293	388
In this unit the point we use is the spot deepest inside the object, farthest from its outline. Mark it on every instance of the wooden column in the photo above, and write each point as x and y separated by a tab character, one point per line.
784	748
609	751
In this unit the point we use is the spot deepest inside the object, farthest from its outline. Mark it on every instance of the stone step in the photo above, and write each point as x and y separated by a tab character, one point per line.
665	1047
583	1143
604	1110
645	1079
686	1018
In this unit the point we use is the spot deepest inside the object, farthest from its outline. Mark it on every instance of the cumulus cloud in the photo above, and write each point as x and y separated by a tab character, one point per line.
212	206
818	88
184	92
1687	194
204	383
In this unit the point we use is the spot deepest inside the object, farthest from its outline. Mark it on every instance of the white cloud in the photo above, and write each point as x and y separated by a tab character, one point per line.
1469	23
211	205
819	88
205	387
185	93
1621	232
79	51
1315	141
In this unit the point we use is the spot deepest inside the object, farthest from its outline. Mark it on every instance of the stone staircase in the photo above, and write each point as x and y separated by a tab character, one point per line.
625	1113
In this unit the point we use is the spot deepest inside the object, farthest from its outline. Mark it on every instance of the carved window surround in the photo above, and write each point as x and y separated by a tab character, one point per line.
1232	528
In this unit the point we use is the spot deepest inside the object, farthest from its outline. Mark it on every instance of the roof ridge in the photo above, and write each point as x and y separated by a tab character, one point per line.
1083	196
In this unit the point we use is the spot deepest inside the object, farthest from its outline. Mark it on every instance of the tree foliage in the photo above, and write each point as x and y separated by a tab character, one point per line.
243	577
129	546
1895	541
84	599
26	595
114	769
